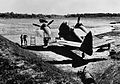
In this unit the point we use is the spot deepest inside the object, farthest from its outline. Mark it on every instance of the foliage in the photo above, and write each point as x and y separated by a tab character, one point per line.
16	15
19	66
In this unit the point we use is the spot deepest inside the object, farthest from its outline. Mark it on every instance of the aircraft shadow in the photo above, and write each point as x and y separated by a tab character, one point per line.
76	61
61	50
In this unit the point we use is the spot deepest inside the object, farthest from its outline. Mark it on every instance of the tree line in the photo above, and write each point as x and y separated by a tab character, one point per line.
94	15
17	15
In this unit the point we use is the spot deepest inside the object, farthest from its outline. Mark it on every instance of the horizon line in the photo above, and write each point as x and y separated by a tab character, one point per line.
64	14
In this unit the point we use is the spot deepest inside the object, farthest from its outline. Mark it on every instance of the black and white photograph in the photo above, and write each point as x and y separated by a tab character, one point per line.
59	42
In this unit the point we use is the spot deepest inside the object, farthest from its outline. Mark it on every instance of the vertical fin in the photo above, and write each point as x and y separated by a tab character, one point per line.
87	44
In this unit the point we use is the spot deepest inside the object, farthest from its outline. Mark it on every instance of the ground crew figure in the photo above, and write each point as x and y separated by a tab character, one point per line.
25	39
46	33
46	37
21	38
44	25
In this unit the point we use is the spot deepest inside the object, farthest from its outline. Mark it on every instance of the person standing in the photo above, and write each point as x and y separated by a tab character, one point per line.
21	38
46	33
44	25
25	39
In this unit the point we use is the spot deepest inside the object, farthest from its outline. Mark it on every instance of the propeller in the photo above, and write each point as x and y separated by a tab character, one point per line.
78	24
50	22
78	19
36	25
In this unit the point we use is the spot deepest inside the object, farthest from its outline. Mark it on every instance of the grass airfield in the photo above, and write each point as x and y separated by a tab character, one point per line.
103	70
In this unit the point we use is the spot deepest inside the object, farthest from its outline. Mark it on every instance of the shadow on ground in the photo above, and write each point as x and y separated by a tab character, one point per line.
76	61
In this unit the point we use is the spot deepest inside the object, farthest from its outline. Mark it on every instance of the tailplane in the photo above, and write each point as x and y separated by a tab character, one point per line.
87	44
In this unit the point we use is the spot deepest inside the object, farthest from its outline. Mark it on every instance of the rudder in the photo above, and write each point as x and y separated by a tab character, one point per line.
87	44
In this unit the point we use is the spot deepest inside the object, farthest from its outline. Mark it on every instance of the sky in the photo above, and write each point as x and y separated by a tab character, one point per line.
60	6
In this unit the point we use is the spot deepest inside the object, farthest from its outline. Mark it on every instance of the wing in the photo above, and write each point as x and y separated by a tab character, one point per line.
115	25
100	42
95	31
79	32
96	43
101	30
69	43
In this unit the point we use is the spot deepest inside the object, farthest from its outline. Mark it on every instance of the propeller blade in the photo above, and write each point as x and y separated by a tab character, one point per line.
36	25
84	68
78	19
50	22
